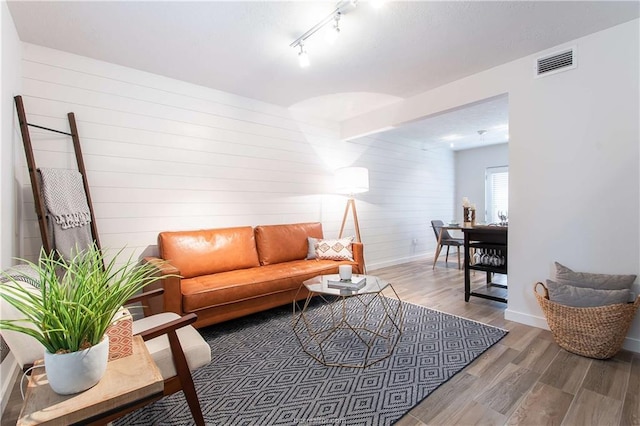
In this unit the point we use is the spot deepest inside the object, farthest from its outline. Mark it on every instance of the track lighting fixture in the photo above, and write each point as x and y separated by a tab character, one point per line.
342	7
303	58
334	31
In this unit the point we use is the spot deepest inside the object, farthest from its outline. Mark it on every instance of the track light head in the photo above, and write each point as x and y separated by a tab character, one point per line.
333	32
303	57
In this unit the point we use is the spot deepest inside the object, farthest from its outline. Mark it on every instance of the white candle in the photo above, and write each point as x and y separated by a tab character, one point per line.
345	272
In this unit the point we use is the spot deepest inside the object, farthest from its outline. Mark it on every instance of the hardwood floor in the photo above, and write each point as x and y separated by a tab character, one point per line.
525	379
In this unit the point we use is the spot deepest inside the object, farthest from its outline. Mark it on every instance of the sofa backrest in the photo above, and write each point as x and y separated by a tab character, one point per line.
209	251
283	243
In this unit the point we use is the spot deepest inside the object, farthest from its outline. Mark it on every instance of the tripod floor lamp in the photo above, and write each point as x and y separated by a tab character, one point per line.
351	180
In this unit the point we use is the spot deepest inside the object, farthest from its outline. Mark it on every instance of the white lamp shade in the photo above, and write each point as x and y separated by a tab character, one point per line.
352	180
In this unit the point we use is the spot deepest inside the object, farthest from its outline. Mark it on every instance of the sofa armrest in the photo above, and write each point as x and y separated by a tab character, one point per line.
172	298
358	257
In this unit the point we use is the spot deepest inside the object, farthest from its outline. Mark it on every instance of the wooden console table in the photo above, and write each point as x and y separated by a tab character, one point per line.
489	239
128	382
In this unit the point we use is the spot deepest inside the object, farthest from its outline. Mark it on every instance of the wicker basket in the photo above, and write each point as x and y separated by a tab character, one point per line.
594	332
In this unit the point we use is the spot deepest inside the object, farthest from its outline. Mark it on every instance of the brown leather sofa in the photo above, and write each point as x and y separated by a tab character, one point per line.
221	274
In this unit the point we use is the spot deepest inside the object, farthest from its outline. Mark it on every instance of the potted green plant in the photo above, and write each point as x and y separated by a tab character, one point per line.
70	313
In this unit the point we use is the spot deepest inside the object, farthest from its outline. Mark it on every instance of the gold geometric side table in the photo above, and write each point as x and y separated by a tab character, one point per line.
348	328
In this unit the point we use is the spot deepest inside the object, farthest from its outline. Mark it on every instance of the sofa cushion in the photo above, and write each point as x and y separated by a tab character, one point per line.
589	280
283	243
209	251
230	287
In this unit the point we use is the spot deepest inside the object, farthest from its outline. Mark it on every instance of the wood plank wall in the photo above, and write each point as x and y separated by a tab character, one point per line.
163	154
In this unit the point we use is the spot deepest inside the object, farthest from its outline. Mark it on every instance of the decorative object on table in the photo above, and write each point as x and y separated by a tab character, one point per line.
120	334
75	305
504	218
356	282
350	181
468	212
435	346
345	272
73	372
588	314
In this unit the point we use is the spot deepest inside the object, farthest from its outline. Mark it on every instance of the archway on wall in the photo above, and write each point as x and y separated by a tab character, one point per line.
415	175
477	137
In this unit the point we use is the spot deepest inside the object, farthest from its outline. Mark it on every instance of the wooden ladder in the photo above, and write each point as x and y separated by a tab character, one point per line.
35	182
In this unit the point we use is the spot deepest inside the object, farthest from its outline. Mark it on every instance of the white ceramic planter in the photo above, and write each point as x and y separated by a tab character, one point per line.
77	371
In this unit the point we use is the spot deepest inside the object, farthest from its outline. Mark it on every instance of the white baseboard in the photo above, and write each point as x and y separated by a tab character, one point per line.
399	261
526	319
630	344
8	374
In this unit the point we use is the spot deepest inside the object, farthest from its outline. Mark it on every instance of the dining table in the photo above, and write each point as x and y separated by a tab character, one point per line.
479	237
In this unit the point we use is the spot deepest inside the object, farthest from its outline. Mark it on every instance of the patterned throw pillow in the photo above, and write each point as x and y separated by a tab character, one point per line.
335	249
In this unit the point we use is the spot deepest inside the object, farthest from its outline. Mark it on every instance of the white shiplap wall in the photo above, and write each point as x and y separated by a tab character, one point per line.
162	154
408	188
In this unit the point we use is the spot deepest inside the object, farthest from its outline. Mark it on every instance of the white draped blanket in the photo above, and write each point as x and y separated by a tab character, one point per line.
64	197
67	210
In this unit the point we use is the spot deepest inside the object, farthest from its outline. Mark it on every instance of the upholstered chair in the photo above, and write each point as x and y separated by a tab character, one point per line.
446	240
174	344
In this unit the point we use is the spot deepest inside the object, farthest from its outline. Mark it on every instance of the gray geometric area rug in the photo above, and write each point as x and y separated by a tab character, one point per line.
259	374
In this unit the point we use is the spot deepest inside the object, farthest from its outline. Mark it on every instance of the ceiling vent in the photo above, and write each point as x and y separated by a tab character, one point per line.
556	62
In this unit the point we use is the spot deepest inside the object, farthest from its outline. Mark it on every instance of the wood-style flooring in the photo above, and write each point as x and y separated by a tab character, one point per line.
525	379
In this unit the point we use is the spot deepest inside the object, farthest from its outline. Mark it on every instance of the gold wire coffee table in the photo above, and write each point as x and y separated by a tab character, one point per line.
348	328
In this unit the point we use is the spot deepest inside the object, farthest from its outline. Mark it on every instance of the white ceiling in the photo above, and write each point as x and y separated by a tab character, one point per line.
458	129
382	55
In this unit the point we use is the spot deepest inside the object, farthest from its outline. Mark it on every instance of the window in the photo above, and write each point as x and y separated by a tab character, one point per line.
496	193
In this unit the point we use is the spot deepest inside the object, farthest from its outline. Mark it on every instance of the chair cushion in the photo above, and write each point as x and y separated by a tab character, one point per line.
452	242
195	348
